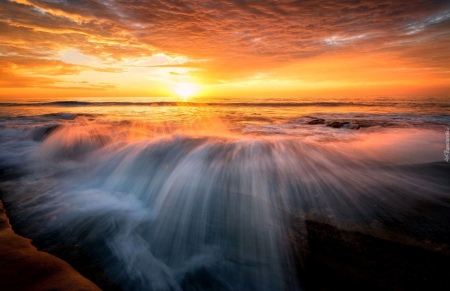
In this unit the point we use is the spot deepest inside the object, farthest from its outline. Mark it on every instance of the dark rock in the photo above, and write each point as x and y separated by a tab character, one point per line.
351	260
362	124
23	267
72	255
317	121
337	124
81	263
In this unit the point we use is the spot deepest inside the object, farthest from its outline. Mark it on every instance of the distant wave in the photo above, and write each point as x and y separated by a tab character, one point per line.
238	104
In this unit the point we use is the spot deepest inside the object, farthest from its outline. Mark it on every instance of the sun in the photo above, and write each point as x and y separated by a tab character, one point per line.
186	90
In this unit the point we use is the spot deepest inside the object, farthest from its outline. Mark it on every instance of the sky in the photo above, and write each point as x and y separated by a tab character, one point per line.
275	48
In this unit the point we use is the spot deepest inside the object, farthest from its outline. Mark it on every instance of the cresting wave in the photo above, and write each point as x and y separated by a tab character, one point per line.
202	211
228	104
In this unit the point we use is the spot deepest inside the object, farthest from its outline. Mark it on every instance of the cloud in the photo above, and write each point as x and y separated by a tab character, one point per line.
238	38
423	24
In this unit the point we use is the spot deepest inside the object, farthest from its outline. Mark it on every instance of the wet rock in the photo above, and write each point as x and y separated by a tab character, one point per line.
352	126
337	124
364	124
317	121
81	263
23	267
351	260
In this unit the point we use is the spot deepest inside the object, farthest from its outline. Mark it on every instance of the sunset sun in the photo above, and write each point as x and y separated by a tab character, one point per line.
186	90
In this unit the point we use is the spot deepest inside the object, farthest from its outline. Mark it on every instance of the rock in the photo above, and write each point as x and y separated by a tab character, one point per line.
337	124
23	267
351	260
317	121
81	263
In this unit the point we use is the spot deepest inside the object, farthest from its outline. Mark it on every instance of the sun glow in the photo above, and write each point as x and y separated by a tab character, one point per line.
186	90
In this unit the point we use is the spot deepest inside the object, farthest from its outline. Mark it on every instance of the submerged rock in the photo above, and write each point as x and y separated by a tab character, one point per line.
337	124
317	121
353	124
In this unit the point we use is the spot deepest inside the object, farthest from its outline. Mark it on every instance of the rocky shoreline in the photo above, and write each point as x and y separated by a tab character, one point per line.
332	258
23	267
27	266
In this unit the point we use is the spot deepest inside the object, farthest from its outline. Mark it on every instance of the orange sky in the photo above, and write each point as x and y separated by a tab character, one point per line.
227	48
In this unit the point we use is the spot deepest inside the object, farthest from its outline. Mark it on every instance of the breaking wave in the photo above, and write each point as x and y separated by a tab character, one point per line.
411	104
184	209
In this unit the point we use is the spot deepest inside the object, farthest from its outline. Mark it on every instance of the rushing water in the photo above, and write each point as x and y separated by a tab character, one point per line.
200	196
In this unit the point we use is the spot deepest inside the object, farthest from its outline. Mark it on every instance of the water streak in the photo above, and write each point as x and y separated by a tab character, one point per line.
199	207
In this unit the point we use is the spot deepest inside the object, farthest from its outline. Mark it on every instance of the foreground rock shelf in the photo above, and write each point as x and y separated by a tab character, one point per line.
23	267
337	259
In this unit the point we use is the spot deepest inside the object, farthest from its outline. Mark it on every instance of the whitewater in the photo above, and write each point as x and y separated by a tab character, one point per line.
166	195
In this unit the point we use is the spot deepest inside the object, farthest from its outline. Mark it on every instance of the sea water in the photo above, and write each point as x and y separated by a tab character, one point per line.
201	195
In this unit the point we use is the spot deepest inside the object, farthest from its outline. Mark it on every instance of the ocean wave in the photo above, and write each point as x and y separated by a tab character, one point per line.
190	204
183	211
232	104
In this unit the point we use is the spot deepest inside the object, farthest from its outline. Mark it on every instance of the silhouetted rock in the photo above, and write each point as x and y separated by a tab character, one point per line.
317	121
351	260
337	124
81	263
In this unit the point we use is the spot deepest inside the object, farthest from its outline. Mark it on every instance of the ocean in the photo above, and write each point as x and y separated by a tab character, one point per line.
207	194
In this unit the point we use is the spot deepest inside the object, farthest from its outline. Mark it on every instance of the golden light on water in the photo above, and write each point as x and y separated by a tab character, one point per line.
186	90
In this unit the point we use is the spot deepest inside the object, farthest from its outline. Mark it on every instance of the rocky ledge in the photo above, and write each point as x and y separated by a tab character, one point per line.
23	267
